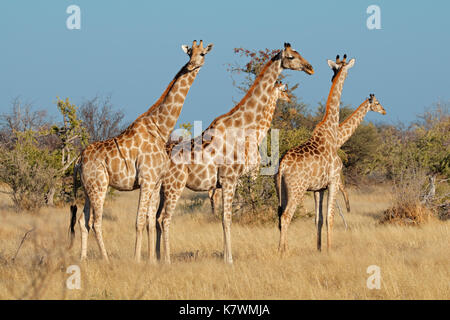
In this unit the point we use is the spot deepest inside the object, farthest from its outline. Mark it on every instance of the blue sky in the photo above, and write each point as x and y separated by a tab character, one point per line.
131	50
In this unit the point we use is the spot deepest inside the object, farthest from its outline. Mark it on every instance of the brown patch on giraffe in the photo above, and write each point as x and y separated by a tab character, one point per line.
248	117
184	91
228	122
115	164
128	143
170	122
178	98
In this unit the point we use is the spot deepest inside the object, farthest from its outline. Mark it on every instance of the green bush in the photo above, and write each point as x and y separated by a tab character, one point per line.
28	171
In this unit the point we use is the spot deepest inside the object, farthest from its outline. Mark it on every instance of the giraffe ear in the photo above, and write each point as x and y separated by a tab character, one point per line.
332	64
185	48
351	63
209	47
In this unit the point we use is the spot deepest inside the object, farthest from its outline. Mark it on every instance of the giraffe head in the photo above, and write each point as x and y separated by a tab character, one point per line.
196	54
281	92
339	64
291	59
375	105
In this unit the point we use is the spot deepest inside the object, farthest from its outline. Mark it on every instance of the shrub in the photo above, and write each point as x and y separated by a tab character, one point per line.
28	171
408	190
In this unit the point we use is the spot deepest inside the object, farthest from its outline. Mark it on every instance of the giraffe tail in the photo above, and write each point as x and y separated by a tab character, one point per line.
278	182
73	207
345	195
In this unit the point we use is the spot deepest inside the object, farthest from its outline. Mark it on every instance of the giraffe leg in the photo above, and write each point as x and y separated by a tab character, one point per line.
285	220
332	191
158	224
319	218
84	226
211	194
228	188
214	198
316	206
170	202
141	219
151	223
97	221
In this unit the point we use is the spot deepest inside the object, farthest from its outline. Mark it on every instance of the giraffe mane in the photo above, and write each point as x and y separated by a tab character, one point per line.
249	92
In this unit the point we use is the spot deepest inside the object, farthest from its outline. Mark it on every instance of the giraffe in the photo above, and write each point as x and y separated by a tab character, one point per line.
278	93
222	163
345	131
314	165
134	159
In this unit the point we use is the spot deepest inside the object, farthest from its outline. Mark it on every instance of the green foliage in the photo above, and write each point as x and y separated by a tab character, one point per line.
36	164
358	151
28	171
432	141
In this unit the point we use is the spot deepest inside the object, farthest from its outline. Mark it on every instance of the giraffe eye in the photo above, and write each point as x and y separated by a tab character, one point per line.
290	58
202	54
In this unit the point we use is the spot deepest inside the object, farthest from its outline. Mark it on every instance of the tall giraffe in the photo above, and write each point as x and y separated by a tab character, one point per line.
278	93
222	163
136	158
315	164
345	131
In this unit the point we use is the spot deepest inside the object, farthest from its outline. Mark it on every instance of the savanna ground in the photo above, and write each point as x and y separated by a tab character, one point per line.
414	260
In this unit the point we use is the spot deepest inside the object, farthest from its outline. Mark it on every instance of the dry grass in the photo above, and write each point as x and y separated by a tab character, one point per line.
414	262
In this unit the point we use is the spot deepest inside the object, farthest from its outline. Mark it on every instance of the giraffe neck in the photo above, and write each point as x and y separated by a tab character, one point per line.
252	105
330	120
349	125
265	122
163	115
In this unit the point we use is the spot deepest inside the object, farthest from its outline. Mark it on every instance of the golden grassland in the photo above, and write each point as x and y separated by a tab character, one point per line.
414	260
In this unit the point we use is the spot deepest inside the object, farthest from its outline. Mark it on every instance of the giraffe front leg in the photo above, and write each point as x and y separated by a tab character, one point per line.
228	189
285	220
141	219
292	198
332	191
214	198
97	221
171	197
151	223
